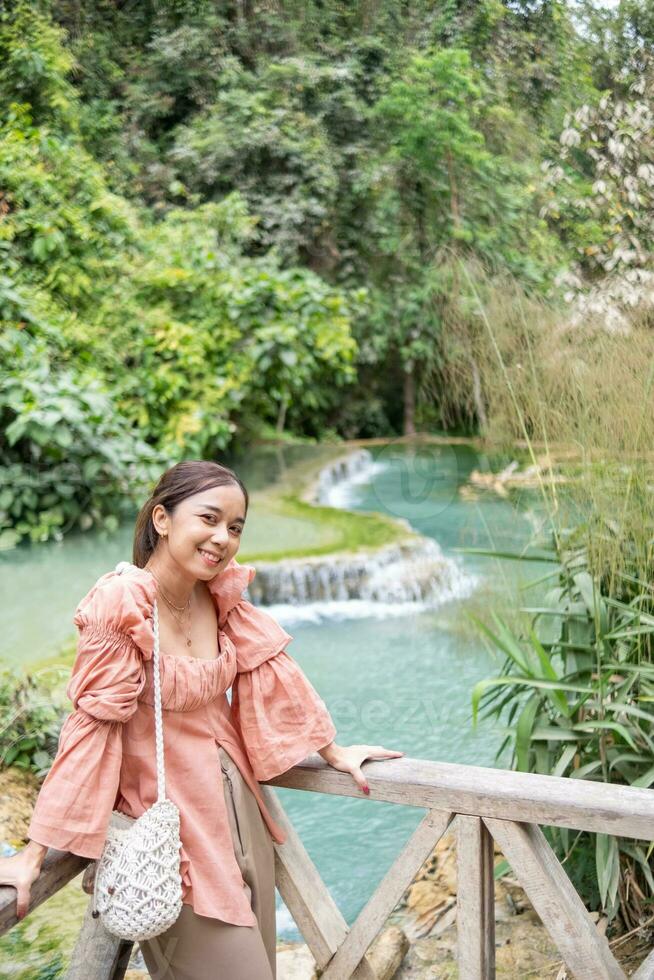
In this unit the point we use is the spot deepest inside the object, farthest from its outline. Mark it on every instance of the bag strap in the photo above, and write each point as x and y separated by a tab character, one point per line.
158	719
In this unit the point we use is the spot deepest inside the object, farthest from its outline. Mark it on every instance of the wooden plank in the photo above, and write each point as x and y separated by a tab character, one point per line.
584	949
475	899
581	804
387	894
305	894
646	969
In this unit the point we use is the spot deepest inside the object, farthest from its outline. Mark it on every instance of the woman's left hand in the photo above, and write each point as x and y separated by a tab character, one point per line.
348	758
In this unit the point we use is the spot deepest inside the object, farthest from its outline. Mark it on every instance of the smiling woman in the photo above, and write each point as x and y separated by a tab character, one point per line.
212	639
197	535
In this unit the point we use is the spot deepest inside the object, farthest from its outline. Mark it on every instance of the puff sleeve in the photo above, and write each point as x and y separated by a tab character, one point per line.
74	805
280	716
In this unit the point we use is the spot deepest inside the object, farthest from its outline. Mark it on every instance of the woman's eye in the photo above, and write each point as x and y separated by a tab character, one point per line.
212	519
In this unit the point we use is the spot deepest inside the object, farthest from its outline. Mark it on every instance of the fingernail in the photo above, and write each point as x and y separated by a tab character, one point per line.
366	789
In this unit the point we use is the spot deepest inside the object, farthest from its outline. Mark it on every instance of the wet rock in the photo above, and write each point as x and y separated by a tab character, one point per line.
295	962
387	952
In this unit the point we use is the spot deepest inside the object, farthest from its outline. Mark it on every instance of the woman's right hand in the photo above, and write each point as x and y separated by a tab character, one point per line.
21	870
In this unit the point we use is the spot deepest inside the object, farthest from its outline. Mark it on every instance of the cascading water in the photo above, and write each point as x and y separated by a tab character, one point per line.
412	571
405	572
336	480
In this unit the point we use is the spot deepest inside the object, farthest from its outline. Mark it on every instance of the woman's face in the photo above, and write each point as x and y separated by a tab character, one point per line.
204	532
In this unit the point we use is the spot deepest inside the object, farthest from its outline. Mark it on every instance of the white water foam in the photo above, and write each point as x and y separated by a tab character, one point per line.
402	579
456	585
342	493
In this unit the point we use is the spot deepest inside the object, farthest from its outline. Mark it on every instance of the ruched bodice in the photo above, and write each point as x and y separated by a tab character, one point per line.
188	683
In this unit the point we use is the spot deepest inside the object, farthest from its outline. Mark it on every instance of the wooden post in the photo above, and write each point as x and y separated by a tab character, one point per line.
507	805
388	893
98	953
585	950
646	969
306	896
475	899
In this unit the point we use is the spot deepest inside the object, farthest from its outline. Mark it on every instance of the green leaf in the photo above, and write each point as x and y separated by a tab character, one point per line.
645	781
524	729
607	862
41	759
547	733
565	759
505	641
586	769
501	868
557	697
481	686
517	556
603	725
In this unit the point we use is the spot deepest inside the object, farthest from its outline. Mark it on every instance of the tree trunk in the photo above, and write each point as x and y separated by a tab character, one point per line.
454	194
281	418
477	396
409	399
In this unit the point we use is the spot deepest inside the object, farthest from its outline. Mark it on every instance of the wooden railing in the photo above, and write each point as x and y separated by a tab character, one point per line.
480	805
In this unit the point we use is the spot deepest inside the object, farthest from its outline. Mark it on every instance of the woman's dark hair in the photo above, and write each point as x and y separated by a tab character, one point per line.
176	484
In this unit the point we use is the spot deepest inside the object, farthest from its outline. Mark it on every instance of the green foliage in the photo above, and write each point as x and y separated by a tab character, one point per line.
439	190
70	460
34	65
575	692
129	342
363	146
29	722
226	220
227	335
258	137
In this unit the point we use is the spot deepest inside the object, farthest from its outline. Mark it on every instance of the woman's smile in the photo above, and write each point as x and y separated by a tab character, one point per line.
210	557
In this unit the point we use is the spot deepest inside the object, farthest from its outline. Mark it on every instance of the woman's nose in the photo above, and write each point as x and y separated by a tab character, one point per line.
220	536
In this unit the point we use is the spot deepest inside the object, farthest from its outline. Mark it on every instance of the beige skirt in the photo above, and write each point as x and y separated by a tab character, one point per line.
197	947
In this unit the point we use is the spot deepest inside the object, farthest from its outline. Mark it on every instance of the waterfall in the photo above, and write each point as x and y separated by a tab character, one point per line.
411	571
414	570
336	479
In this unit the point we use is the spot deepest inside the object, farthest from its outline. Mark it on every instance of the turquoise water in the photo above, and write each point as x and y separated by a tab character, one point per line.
403	681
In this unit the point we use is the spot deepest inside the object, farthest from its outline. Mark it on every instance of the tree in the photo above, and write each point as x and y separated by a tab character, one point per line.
438	189
601	198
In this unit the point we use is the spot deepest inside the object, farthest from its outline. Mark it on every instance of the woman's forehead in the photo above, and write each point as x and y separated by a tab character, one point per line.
228	499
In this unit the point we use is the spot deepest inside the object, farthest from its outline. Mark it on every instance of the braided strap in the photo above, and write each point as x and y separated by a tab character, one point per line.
138	884
158	720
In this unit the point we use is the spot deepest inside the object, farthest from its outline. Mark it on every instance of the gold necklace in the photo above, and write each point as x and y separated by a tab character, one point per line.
187	635
171	605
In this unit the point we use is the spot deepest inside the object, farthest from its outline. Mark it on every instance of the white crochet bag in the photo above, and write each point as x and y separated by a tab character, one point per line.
138	885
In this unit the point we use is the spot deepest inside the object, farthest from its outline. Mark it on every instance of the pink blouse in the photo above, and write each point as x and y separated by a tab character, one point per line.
106	753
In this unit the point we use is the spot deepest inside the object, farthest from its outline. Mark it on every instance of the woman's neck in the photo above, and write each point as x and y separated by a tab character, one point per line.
177	586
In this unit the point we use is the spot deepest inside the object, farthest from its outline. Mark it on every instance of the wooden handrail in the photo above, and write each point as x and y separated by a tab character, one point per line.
480	804
558	801
58	868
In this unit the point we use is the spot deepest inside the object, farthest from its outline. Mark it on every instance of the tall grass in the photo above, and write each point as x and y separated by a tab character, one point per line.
576	689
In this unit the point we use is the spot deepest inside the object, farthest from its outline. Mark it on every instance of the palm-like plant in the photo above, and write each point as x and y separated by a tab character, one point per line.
576	692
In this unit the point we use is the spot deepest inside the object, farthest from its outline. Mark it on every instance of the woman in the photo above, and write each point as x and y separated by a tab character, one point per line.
211	638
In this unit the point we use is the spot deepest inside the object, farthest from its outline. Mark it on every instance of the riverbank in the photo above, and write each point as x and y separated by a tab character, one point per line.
317	529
